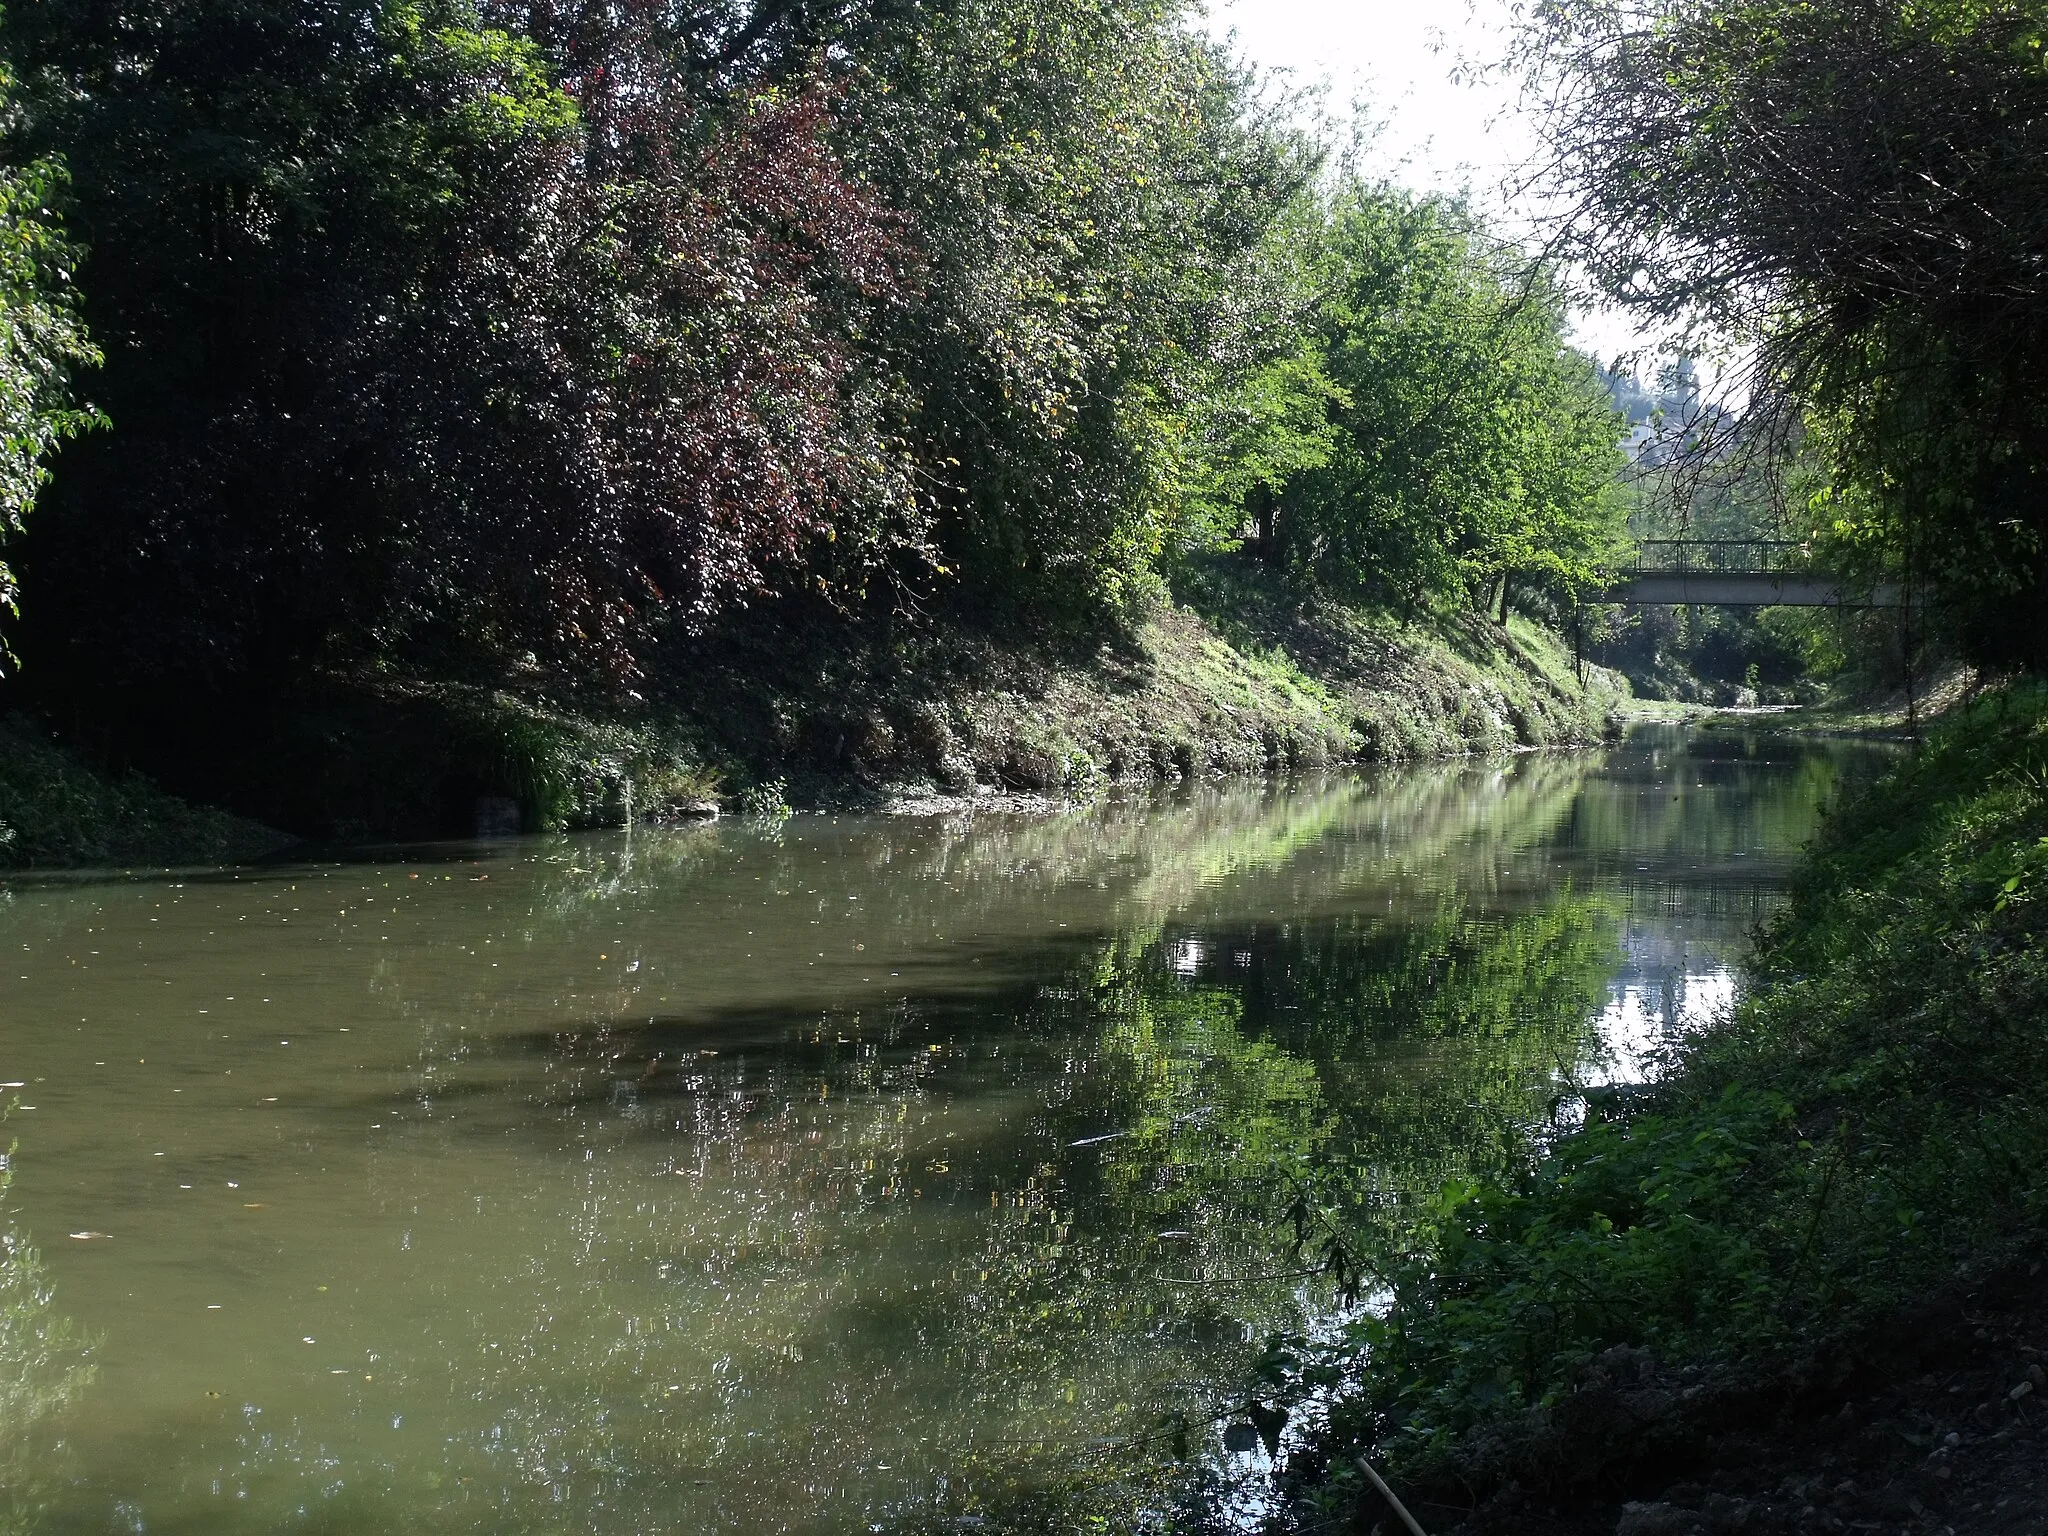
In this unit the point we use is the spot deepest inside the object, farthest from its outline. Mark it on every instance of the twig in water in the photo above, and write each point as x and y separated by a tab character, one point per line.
1388	1494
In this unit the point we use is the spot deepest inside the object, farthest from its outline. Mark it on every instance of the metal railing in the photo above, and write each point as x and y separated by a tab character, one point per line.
1726	557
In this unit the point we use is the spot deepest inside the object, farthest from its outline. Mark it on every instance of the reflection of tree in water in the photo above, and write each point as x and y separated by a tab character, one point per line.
959	1253
1359	1063
1441	1038
43	1371
896	1266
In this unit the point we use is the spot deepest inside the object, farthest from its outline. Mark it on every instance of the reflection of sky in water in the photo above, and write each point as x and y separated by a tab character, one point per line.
1674	979
1645	1019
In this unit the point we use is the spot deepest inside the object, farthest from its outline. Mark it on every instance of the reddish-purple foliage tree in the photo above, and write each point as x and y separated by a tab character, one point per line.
668	407
452	330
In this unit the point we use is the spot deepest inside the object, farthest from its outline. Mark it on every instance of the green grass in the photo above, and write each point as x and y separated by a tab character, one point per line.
1243	676
1869	1121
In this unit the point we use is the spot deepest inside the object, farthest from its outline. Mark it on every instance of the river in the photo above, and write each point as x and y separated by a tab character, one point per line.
849	1174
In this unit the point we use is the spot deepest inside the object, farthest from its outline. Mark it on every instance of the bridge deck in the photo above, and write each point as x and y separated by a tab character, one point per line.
1739	573
1747	589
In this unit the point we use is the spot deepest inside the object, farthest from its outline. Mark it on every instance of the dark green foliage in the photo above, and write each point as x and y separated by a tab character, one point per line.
385	758
1867	1119
428	337
55	810
429	345
42	340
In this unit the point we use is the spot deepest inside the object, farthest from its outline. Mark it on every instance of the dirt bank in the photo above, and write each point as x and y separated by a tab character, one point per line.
1234	680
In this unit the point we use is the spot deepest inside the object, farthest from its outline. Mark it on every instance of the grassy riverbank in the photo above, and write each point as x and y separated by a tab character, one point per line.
1858	1152
1236	678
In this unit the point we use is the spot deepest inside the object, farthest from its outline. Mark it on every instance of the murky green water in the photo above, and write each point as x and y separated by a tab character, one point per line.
861	1174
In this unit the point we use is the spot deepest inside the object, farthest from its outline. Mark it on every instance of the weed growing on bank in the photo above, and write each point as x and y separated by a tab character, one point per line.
1865	1127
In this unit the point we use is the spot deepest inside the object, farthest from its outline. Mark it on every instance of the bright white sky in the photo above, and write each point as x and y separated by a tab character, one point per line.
1394	59
1439	126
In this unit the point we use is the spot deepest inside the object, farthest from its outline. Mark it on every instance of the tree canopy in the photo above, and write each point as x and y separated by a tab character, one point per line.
1469	444
43	342
459	335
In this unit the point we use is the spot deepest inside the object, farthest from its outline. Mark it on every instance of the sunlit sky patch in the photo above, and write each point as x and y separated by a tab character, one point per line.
1417	73
1399	61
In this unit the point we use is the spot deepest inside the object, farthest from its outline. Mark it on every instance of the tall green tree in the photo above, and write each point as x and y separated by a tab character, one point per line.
1471	447
1095	190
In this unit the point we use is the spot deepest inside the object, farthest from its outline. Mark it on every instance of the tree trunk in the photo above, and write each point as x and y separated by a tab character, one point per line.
1266	520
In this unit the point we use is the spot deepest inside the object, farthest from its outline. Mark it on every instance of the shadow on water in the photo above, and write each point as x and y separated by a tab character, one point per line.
848	1175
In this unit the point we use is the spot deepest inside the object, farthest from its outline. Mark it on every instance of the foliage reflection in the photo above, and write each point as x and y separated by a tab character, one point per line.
841	1175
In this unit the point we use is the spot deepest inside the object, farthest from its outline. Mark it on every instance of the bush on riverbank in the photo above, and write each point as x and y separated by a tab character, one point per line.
365	758
56	810
1866	1125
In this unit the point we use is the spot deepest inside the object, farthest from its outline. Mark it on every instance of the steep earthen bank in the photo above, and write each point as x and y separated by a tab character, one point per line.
1332	687
1240	688
1930	1426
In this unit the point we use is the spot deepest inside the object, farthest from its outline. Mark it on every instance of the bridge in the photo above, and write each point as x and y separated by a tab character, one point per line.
1739	573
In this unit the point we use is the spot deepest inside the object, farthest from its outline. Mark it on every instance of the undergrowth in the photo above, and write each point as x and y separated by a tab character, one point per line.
55	809
1867	1123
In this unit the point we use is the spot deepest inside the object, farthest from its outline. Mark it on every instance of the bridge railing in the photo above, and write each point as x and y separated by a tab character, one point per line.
1731	557
1720	556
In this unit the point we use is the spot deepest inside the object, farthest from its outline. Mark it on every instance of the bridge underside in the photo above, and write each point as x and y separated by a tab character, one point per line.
1745	589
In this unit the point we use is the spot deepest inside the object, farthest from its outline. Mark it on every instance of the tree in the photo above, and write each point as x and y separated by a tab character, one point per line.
43	342
1096	194
1471	446
439	334
1857	190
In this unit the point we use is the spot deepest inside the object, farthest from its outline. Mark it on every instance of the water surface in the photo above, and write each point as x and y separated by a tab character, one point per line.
853	1174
